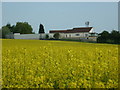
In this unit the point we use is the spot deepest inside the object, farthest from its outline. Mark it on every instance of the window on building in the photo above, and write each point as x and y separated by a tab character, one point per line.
66	35
77	34
86	35
69	35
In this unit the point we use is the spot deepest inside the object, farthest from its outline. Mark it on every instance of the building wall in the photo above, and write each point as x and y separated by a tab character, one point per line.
26	36
51	35
62	35
75	36
93	38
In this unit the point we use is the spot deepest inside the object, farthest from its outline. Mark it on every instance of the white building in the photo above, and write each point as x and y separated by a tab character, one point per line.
81	33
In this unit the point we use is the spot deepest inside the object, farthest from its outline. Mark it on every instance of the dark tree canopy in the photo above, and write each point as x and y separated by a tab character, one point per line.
56	35
23	28
46	36
20	27
115	35
41	29
106	37
10	27
5	31
103	36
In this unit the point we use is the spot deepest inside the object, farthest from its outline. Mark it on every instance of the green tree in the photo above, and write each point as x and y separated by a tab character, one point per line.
41	29
23	28
115	36
103	37
106	37
47	36
5	31
56	35
10	27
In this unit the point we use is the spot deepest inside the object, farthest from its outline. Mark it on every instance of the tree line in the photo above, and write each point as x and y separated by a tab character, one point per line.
106	37
8	30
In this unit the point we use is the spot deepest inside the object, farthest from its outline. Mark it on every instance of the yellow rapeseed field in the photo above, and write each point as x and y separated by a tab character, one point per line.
58	64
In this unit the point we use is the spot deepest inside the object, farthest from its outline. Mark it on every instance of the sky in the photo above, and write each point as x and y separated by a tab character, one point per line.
62	15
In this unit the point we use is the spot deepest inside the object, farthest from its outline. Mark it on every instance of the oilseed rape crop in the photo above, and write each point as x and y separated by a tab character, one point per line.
58	64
